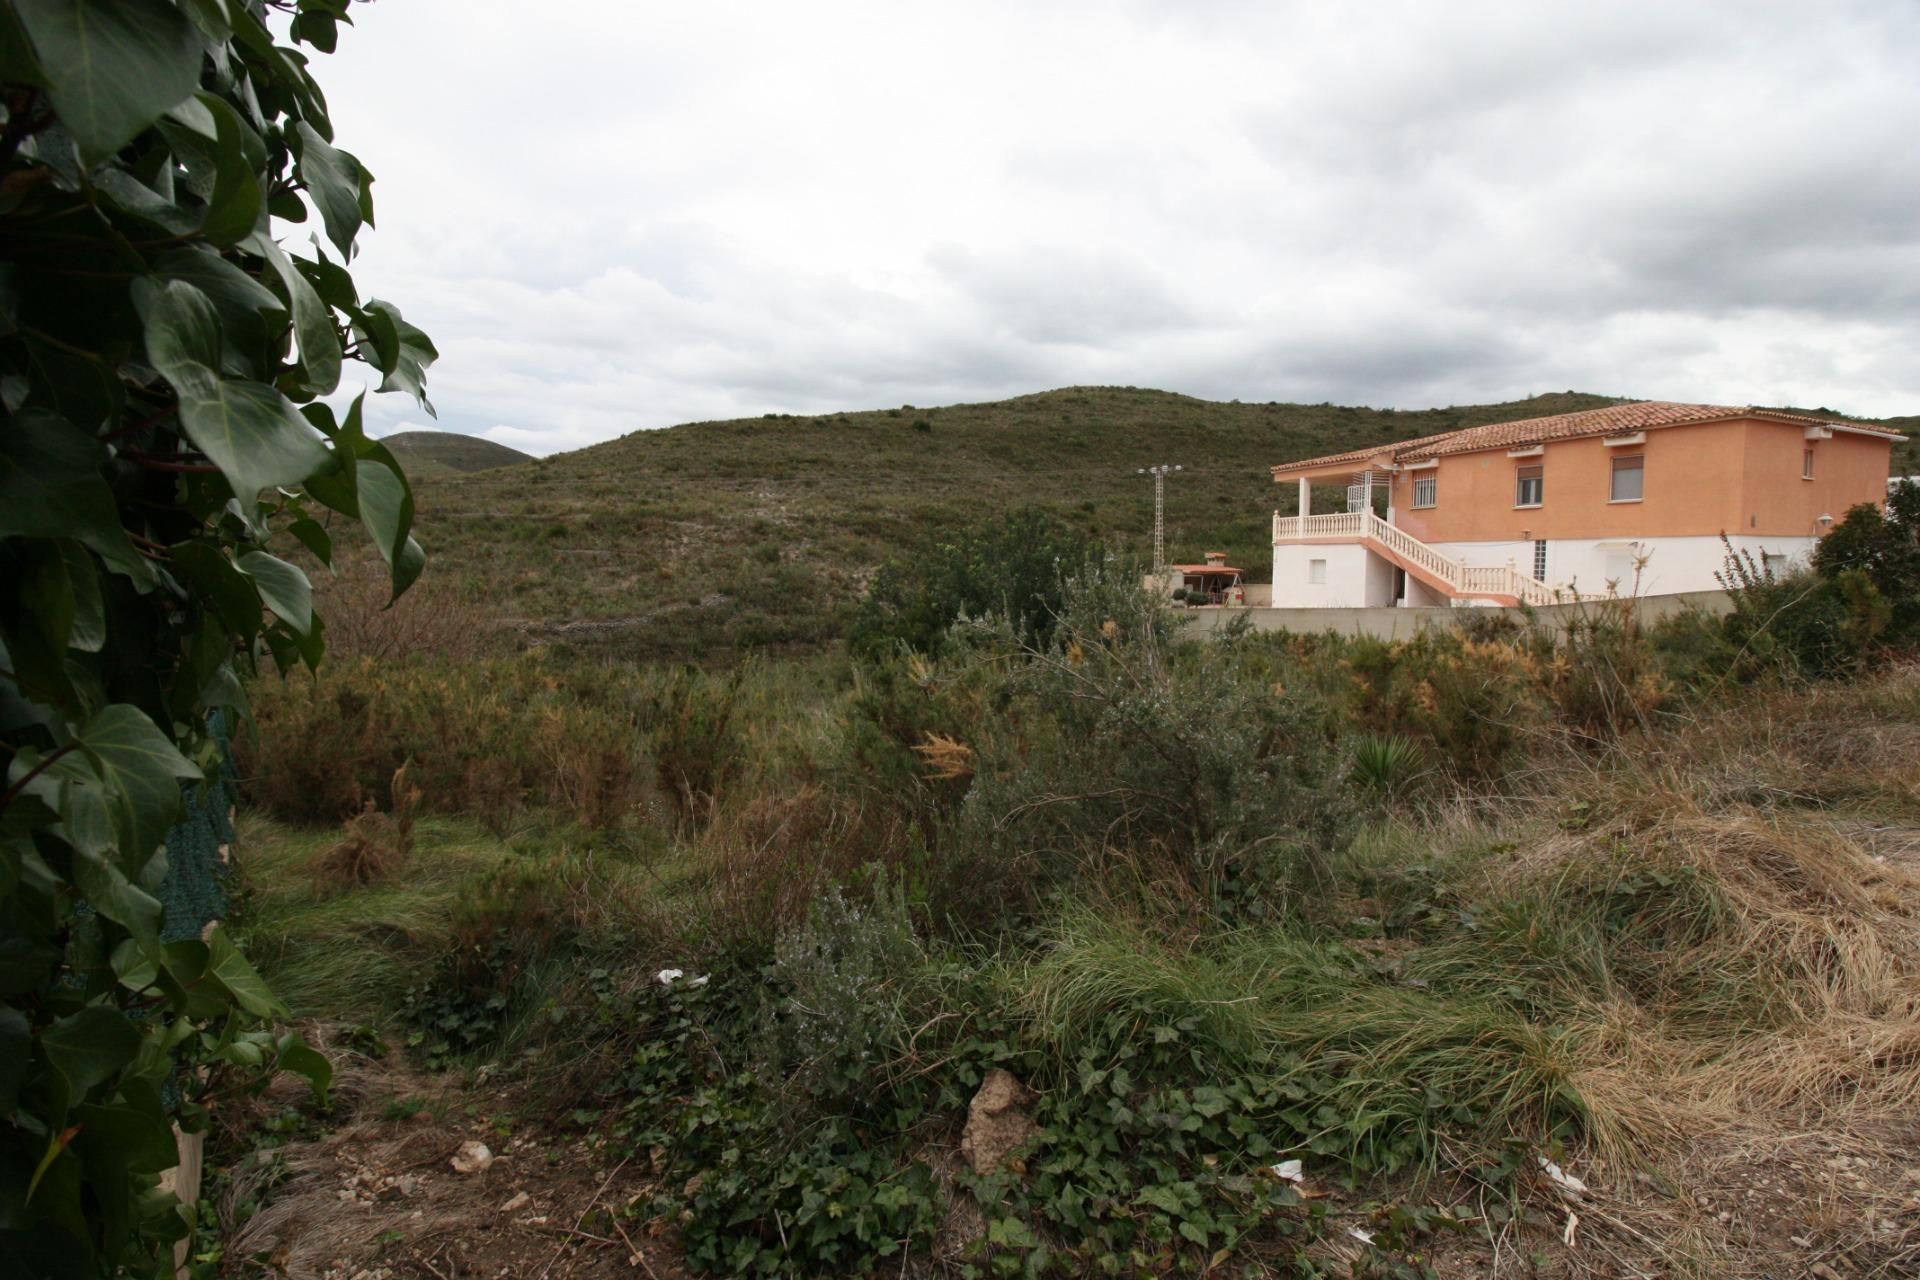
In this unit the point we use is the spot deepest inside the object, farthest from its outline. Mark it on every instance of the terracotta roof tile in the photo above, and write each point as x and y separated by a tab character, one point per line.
1612	420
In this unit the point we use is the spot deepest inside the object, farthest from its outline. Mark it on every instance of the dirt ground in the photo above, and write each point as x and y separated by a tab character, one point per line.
381	1197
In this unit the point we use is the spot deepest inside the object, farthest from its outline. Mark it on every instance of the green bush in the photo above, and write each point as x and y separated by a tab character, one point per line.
1009	566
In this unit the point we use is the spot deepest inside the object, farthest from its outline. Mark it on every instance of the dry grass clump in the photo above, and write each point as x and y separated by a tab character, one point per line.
374	844
1755	957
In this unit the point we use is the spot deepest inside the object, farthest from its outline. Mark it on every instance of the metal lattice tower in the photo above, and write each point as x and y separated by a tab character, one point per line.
1159	474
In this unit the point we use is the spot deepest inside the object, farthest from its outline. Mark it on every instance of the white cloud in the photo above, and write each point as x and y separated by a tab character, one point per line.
614	216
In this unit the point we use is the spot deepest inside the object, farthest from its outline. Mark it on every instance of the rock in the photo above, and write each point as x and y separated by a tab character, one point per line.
472	1157
519	1201
997	1124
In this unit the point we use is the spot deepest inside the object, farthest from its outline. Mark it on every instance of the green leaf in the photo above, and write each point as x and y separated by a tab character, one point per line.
297	1056
182	327
89	634
141	771
333	179
16	1043
230	969
140	1141
313	321
386	508
413	351
88	1048
234	595
235	207
112	66
314	537
108	890
248	310
51	487
249	430
282	586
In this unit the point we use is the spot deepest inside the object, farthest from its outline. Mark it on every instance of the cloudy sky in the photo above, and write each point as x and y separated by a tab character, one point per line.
622	214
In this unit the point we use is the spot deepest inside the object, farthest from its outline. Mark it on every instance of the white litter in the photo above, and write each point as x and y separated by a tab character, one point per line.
1561	1178
667	977
1573	1225
1290	1170
700	981
1361	1234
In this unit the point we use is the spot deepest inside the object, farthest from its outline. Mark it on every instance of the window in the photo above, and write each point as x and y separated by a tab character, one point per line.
1774	564
1629	479
1806	464
1426	487
1529	484
1317	572
1540	560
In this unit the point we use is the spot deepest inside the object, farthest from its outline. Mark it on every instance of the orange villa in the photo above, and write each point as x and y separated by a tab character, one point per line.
1633	497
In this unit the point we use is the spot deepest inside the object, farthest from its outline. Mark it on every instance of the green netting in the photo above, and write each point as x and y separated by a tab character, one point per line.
192	891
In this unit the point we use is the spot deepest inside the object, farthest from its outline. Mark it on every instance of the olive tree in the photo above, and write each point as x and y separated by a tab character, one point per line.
171	379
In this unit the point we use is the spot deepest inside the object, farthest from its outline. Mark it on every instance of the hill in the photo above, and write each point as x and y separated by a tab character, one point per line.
720	536
450	452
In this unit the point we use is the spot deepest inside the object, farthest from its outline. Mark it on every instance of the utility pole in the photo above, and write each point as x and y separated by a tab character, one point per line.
1159	474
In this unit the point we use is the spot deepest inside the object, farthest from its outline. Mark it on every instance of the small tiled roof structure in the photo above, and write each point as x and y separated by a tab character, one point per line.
1613	420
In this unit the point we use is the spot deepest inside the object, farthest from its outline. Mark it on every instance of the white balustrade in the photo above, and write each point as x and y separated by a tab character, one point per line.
1456	576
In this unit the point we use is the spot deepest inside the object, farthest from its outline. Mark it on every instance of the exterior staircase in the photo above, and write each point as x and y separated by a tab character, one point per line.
1501	584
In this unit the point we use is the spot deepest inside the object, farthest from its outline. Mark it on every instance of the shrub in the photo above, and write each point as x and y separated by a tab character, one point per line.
1010	566
1800	624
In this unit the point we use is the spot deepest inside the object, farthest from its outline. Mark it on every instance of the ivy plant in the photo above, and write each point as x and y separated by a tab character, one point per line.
176	224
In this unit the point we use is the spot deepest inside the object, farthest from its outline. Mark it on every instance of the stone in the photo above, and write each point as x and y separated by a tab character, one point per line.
518	1202
997	1123
472	1157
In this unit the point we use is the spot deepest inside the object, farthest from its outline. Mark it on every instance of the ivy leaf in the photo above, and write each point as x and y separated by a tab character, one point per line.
333	179
282	586
235	597
230	969
314	537
301	1058
312	319
88	1048
108	891
51	486
234	208
386	508
141	1141
112	66
248	429
248	310
140	771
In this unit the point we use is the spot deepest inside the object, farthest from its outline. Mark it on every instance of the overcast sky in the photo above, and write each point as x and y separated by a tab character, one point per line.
620	214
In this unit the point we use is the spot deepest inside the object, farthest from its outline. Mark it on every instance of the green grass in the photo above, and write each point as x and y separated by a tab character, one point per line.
350	955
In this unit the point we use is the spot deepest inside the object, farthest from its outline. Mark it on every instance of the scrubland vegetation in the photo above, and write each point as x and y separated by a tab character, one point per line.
1420	915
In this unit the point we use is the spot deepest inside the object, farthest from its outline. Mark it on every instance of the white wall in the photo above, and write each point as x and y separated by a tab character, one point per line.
1356	578
1587	565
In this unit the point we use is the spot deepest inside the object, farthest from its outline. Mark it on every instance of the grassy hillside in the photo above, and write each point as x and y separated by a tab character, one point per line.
718	536
450	452
763	531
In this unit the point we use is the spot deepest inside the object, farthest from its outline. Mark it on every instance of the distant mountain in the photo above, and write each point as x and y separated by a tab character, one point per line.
441	452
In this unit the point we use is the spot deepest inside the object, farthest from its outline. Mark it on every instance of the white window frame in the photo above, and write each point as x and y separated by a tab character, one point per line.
1520	479
1539	559
1806	462
1431	479
1613	478
1316	573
